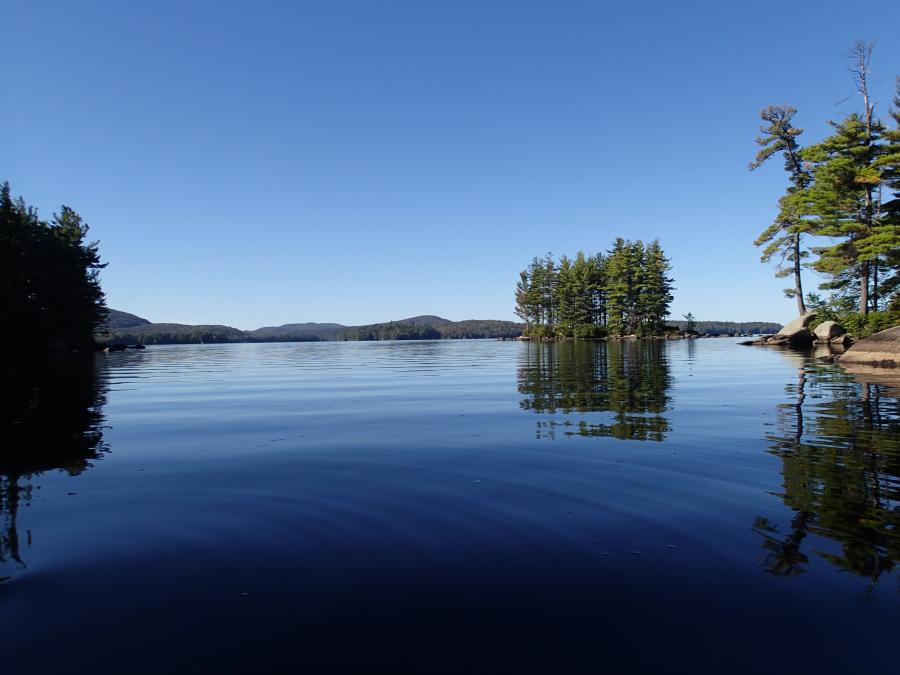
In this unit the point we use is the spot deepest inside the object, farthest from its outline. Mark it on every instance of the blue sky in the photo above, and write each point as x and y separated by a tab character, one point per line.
259	163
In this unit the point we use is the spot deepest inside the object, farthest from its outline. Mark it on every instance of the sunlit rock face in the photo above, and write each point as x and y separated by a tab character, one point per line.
881	349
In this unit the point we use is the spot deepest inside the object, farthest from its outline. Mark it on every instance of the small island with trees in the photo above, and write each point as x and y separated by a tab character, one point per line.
626	291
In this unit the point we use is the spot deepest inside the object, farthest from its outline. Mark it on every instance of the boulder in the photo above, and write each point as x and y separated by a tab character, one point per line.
801	338
881	349
841	341
828	330
797	324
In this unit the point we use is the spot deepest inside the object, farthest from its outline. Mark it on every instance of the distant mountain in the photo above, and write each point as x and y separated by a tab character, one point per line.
117	320
425	320
393	330
131	329
128	328
480	328
175	333
297	332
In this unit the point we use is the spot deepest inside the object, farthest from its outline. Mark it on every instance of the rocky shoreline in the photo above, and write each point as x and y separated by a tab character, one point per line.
797	334
881	350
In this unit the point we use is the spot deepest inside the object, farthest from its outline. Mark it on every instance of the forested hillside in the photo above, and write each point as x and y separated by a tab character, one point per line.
729	327
124	328
116	320
175	333
391	331
480	328
297	332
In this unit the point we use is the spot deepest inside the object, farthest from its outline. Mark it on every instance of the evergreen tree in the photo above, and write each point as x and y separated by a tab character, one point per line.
783	236
884	243
656	290
616	288
690	323
627	292
843	198
566	291
635	272
49	278
847	187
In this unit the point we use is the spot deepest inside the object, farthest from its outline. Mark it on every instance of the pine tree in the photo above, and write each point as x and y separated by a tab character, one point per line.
592	296
49	278
842	198
690	323
846	188
565	292
656	290
783	236
635	277
616	288
883	245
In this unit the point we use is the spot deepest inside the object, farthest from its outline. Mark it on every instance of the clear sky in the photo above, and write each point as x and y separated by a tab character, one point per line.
259	163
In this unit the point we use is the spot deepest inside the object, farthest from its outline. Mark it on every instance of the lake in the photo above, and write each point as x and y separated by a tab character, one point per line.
449	506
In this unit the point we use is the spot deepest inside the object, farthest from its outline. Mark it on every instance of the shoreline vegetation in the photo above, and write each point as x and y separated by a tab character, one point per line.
128	329
50	295
840	212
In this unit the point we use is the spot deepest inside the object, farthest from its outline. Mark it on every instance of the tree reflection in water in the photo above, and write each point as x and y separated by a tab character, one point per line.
839	442
50	418
629	379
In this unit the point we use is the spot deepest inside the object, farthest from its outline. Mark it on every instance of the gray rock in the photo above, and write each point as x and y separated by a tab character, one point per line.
881	349
828	330
797	324
841	340
801	338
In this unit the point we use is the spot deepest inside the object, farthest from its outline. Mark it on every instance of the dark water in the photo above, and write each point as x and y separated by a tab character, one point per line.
448	506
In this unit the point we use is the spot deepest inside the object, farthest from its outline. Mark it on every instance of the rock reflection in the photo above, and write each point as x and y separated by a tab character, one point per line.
50	418
629	380
839	442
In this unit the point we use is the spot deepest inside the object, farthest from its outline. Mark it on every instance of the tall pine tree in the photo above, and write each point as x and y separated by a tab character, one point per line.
783	236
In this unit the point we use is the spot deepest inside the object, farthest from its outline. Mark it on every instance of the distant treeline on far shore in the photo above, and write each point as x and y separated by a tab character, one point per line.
124	328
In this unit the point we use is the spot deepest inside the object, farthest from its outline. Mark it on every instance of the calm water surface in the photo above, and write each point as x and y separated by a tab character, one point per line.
470	506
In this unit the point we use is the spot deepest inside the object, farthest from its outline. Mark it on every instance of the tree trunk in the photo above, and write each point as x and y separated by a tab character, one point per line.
798	283
864	288
875	285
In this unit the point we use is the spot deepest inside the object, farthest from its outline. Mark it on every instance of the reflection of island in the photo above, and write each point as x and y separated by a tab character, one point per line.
839	442
50	418
629	379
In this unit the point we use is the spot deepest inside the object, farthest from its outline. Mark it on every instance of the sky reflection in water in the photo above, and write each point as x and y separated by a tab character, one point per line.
449	505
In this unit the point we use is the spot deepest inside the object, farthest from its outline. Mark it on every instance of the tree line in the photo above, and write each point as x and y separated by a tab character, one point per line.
627	291
449	330
50	295
844	191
